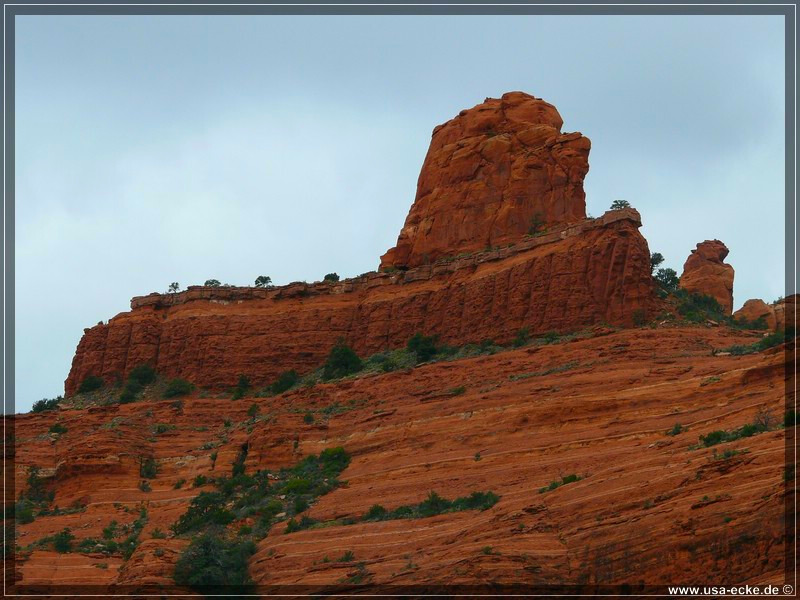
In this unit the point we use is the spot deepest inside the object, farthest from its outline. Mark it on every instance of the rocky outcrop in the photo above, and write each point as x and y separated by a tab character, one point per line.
496	240
757	310
704	272
596	270
492	174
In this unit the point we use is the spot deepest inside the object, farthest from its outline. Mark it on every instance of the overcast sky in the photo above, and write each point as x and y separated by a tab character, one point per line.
183	148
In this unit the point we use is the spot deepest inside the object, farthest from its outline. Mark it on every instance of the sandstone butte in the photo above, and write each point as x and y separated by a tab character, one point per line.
704	272
622	407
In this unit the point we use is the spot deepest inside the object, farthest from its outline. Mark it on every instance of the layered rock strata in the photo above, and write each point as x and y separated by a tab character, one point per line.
595	270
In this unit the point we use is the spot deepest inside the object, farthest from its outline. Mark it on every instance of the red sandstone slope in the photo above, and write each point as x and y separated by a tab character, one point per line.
651	508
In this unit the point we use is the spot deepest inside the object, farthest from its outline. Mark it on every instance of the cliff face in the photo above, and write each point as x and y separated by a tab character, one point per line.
498	174
492	174
704	272
597	270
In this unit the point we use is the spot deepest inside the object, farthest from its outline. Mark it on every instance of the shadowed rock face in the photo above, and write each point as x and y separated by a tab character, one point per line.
492	174
704	272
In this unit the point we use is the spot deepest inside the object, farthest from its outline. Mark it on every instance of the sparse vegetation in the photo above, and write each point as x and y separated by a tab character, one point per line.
762	422
676	429
424	347
57	428
559	482
283	383
46	404
214	563
148	468
90	384
241	388
143	374
177	387
768	341
523	337
342	361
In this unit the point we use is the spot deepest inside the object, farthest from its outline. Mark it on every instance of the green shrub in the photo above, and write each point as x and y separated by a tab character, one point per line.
177	387
676	429
523	337
145	486
207	508
90	384
759	425
457	391
160	428
58	428
434	504
179	484
342	361
62	541
423	346
110	532
308	418
148	468
23	511
241	388
285	381
347	557
142	374
200	480
45	404
376	513
332	277
559	482
620	204
213	564
252	412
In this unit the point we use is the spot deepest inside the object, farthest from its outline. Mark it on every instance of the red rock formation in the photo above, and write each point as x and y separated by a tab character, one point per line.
756	309
705	273
597	270
492	174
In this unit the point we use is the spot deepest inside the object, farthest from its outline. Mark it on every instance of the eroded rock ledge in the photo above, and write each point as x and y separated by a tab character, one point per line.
444	266
590	272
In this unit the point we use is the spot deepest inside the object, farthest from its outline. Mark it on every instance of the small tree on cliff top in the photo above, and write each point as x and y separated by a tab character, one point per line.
212	283
263	281
620	204
174	287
